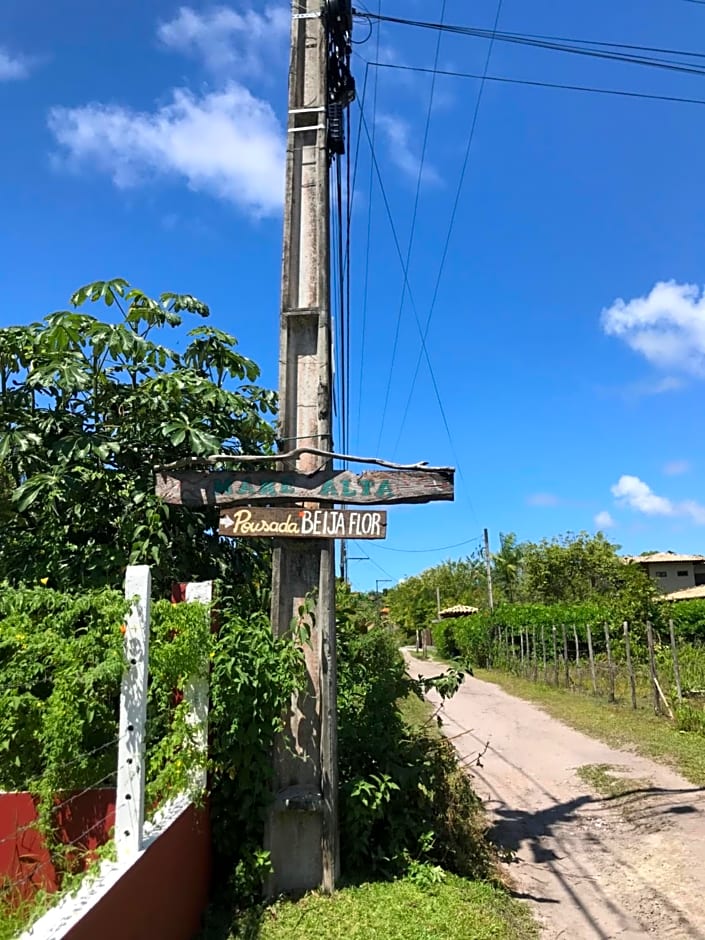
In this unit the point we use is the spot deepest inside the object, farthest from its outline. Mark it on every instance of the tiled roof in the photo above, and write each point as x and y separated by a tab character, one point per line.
659	558
460	610
687	594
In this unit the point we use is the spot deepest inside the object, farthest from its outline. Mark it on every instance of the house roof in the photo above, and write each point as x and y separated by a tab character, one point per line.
459	610
660	558
686	594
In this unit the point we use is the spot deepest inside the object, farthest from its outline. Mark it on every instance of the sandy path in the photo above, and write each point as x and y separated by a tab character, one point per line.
590	867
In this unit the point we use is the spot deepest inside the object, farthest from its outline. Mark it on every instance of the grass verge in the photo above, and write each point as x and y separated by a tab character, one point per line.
601	778
454	909
616	725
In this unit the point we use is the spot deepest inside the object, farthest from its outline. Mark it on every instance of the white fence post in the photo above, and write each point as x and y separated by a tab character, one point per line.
129	801
196	690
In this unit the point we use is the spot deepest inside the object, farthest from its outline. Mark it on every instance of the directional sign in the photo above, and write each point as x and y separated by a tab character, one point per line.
226	488
304	523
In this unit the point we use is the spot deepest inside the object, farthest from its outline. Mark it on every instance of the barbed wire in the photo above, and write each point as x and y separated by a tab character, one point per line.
74	843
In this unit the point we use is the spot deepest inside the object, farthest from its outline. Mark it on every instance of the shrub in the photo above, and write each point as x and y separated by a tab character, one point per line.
403	797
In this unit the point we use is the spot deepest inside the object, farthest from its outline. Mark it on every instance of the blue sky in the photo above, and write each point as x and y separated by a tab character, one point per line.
568	337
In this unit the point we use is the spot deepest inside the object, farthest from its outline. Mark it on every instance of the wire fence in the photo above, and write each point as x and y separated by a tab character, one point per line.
637	667
49	838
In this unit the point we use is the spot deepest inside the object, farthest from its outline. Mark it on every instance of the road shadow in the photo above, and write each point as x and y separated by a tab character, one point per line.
517	829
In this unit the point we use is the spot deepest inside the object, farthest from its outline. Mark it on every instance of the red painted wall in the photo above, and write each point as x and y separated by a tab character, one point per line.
163	896
83	820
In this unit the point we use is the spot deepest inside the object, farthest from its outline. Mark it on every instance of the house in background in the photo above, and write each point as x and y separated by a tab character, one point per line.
679	577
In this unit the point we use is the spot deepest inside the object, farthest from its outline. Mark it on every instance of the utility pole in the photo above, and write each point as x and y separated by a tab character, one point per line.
344	561
302	827
488	566
438	601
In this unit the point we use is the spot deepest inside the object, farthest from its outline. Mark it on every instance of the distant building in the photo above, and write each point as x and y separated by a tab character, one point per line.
679	577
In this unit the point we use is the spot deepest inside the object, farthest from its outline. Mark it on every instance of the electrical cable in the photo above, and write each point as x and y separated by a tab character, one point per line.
420	551
348	226
412	231
677	99
342	355
590	48
375	563
370	200
453	216
334	295
432	374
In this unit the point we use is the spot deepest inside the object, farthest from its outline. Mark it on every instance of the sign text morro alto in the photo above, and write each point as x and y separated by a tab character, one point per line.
232	488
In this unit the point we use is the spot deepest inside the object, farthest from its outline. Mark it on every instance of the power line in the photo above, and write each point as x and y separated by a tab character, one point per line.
412	231
375	563
397	246
453	215
419	551
538	84
596	49
365	296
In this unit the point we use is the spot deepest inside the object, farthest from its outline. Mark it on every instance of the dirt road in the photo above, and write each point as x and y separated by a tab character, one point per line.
591	867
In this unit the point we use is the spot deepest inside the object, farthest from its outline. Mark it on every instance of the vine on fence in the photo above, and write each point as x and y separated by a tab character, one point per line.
61	666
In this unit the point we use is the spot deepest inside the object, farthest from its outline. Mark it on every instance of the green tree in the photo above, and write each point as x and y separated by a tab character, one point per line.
572	567
506	566
88	408
413	602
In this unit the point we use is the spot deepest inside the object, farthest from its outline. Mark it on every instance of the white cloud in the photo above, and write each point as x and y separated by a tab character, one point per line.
13	67
227	41
603	520
676	468
398	135
632	492
226	143
667	326
545	500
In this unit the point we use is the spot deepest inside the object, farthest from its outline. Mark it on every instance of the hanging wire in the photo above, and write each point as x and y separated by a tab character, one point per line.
412	232
420	551
370	200
453	216
596	49
595	90
432	374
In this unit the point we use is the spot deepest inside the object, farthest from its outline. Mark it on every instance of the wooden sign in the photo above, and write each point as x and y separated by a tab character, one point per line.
304	523
232	488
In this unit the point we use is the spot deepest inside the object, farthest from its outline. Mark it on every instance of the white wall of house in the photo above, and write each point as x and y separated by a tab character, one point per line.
670	576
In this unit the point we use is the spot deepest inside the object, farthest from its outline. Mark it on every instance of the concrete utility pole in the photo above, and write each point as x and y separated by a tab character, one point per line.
488	566
302	829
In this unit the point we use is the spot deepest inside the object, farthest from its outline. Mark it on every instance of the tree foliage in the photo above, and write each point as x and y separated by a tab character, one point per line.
413	602
572	567
569	569
89	406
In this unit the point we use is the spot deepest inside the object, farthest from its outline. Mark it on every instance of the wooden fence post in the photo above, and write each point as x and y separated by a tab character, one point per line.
535	655
592	660
652	667
610	668
566	664
676	664
630	668
555	656
521	647
196	691
577	657
129	799
543	650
